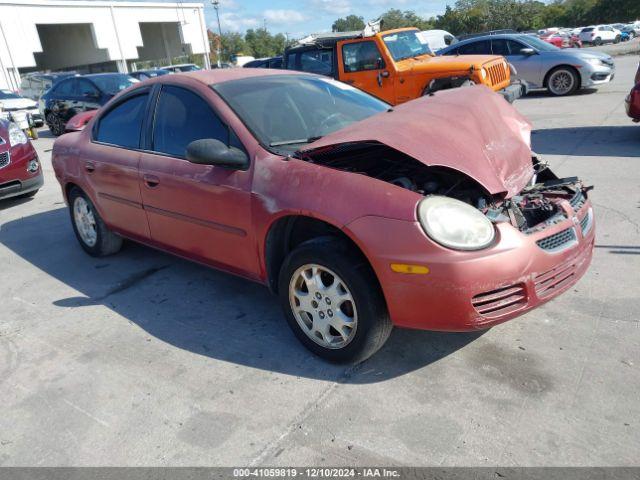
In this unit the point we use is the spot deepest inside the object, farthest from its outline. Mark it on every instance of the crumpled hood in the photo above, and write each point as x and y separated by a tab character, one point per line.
470	129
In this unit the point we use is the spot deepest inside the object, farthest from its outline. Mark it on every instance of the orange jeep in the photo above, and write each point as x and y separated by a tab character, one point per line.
397	65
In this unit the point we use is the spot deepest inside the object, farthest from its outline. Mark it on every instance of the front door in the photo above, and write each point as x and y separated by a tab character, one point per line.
200	211
362	65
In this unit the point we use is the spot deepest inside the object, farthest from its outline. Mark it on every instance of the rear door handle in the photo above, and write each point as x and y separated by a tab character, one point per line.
151	180
89	167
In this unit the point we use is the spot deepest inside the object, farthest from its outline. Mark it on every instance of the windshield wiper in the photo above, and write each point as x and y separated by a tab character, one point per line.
295	142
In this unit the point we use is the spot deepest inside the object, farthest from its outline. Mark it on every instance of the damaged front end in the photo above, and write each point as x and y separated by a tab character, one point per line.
544	202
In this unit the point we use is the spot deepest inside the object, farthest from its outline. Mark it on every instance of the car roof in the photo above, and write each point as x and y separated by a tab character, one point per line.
499	36
219	75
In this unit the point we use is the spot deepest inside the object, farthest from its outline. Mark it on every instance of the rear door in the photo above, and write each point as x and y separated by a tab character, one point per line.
200	211
362	65
111	165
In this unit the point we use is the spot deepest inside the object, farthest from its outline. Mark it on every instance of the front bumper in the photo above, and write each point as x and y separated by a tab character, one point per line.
597	75
514	91
15	178
632	104
466	291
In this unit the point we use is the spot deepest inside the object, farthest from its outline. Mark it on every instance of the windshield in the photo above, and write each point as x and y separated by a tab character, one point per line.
113	83
408	44
7	95
189	68
286	111
538	44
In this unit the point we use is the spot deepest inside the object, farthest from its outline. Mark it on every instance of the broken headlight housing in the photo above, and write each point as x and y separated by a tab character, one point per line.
455	224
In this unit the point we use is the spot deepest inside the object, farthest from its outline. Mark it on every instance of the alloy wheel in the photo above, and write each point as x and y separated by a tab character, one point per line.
561	82
85	221
323	306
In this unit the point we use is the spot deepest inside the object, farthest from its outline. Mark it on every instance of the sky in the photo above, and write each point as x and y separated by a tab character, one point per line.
298	18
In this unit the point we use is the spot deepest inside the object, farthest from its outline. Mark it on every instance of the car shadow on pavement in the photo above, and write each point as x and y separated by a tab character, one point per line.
199	309
544	93
599	141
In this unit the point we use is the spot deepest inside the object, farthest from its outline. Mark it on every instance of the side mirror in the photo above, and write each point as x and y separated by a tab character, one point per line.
209	151
527	51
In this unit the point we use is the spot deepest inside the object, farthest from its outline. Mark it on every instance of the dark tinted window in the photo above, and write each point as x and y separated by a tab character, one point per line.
275	63
121	125
66	87
182	117
86	88
500	47
482	47
361	56
515	47
315	61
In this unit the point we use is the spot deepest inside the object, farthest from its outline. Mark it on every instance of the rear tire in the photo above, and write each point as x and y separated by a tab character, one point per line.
333	302
93	234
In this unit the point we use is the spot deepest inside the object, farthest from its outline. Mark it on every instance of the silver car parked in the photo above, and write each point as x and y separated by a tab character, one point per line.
540	64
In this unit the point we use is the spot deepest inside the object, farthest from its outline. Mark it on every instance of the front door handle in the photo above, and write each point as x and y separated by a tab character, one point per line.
151	180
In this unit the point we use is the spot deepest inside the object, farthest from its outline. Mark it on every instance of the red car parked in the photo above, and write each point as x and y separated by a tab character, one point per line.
633	100
20	172
429	215
561	40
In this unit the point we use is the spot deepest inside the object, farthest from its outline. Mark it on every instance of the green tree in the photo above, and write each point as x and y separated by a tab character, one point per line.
395	18
348	24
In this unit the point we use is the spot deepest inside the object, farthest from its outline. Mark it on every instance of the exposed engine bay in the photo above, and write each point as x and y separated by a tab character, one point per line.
536	207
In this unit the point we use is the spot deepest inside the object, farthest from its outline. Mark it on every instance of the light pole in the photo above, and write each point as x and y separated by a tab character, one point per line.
216	7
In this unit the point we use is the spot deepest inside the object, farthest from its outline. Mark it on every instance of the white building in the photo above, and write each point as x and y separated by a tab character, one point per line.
94	36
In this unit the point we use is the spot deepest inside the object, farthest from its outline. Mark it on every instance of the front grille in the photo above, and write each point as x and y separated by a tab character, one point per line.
4	159
558	241
500	302
497	73
577	201
553	280
586	222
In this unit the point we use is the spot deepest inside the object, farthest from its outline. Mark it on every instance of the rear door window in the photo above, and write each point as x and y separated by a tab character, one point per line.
500	47
130	112
181	117
482	47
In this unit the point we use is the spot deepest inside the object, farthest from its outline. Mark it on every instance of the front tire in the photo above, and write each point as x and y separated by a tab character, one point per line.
617	39
333	302
562	81
597	42
93	234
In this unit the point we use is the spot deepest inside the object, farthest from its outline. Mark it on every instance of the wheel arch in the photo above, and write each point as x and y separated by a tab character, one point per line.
289	231
545	83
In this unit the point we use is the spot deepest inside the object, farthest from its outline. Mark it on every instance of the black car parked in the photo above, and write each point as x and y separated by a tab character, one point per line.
79	94
273	62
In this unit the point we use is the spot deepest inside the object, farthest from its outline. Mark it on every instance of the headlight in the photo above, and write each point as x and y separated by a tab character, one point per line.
455	224
483	72
596	62
16	136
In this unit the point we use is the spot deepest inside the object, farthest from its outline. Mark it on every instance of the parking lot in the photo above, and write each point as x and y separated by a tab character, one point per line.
146	359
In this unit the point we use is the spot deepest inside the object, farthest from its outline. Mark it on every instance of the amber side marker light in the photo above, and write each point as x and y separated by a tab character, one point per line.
414	269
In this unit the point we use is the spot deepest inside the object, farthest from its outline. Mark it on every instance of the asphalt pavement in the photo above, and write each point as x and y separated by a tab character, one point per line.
146	359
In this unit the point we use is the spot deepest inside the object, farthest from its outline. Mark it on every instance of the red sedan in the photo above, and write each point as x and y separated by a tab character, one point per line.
20	172
633	100
429	215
